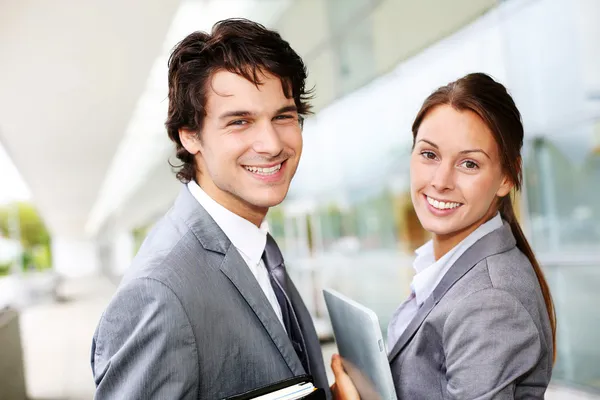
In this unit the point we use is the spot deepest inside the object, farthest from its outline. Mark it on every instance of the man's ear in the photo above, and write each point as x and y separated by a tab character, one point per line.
190	141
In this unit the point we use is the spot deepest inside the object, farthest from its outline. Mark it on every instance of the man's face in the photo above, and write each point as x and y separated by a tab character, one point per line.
249	146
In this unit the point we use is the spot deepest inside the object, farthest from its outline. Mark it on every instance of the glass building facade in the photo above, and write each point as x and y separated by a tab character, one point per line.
348	222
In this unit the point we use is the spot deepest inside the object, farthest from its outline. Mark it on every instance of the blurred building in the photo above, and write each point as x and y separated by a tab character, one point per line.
83	103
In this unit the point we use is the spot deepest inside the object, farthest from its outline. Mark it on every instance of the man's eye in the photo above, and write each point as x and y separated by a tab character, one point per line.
238	122
284	117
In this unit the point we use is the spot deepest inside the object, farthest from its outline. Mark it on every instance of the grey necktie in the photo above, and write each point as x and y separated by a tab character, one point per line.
273	260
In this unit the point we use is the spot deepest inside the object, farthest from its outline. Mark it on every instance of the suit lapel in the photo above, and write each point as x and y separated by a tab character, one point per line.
212	238
239	274
495	242
313	346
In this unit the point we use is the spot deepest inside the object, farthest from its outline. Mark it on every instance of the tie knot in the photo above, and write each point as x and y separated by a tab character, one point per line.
272	255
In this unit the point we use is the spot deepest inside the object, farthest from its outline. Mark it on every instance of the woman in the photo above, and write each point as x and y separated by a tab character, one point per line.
480	322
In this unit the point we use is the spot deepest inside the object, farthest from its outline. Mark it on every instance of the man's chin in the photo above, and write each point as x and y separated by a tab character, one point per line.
266	203
268	200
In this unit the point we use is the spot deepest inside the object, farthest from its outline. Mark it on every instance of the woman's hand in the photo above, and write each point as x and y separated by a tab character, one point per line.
343	388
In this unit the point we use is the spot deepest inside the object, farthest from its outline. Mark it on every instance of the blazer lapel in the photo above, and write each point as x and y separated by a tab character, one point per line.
495	242
212	238
412	327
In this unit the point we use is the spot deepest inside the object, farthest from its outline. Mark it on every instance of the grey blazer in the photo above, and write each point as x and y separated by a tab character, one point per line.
190	321
484	333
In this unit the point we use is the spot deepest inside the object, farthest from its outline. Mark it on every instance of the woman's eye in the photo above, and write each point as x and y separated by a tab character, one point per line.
428	155
470	164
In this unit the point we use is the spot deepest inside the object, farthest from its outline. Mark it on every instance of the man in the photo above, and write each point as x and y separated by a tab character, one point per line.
207	309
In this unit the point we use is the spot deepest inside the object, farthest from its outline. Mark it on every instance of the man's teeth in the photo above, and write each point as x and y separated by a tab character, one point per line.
440	205
264	171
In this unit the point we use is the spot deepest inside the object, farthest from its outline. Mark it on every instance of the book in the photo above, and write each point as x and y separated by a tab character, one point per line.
296	388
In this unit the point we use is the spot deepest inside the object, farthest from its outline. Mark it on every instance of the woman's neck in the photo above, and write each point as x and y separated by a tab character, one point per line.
442	244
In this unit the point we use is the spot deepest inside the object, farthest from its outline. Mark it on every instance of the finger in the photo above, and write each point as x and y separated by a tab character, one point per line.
334	362
336	365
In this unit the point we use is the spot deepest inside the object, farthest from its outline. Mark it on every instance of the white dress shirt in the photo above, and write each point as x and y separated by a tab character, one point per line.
429	273
247	238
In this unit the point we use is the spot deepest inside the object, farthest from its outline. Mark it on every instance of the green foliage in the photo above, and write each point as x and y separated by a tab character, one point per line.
5	269
26	259
41	257
33	229
35	238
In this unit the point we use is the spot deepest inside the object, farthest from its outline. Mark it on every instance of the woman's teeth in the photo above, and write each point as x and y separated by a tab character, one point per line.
440	205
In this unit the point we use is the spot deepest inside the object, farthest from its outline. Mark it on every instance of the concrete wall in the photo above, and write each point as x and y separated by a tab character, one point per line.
12	378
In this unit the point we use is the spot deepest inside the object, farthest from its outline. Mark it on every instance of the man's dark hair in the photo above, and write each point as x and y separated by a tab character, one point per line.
236	45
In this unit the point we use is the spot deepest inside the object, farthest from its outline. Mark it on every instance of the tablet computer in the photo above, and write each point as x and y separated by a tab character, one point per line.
361	346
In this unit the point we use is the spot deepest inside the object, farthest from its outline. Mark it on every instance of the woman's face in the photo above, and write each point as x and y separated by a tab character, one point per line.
455	173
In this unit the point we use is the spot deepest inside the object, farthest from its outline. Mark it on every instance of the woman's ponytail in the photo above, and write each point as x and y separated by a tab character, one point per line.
508	214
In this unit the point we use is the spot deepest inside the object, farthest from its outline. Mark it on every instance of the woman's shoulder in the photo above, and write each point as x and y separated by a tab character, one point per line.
511	270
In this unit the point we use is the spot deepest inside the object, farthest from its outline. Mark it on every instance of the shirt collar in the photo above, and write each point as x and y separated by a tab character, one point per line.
249	239
430	272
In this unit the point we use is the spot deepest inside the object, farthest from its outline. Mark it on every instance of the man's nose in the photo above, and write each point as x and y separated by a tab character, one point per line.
268	141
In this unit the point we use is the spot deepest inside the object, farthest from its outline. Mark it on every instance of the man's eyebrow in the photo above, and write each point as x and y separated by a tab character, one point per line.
291	108
245	113
236	113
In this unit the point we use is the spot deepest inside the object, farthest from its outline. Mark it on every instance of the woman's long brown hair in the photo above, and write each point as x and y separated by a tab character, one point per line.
490	100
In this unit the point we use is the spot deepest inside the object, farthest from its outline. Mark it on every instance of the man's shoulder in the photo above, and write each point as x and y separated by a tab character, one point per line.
169	250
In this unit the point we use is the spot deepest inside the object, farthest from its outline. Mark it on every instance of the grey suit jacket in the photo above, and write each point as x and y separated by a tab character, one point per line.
484	333
190	321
